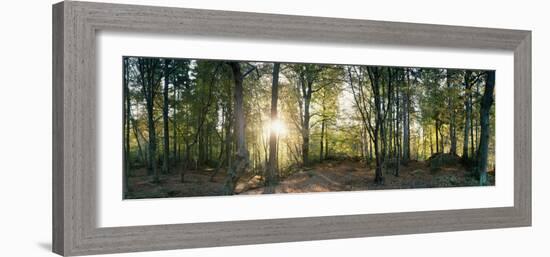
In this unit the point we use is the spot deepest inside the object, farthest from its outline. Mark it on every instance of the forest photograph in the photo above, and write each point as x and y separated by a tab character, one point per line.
194	127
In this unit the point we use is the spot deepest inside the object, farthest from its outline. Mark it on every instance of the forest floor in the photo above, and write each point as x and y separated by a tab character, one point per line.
329	176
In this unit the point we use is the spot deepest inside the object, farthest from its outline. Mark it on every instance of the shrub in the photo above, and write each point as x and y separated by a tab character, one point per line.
439	160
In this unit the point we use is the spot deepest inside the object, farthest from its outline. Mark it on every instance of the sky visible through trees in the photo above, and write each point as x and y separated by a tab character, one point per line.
219	127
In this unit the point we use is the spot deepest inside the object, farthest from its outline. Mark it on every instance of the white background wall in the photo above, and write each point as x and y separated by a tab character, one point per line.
25	127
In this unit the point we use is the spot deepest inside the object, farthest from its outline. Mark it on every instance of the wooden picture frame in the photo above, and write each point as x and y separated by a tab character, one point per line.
74	130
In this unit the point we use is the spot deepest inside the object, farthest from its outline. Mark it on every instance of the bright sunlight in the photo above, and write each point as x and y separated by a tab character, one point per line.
278	127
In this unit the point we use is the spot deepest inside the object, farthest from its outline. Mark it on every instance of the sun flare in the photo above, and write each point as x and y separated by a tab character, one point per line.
278	127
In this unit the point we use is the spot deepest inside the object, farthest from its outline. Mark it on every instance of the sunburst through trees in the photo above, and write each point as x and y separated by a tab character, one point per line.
216	127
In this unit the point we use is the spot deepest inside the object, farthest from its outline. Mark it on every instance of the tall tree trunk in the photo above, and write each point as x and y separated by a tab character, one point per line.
221	147
228	136
476	135
442	140
406	129
201	143
271	178
137	135
321	141
431	145
305	131
241	161
363	148
148	67
374	75
472	134
186	160
384	110
468	107
485	110
452	125
327	145
378	177
166	133
152	145
126	128
397	130
175	155
370	148
323	125
436	136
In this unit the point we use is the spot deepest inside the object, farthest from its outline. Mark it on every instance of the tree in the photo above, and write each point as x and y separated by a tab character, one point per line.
451	95
271	178
307	74
470	79
241	160
398	138
406	118
468	107
356	81
326	105
149	79
367	102
166	134
182	84
374	74
486	103
432	109
204	91
126	125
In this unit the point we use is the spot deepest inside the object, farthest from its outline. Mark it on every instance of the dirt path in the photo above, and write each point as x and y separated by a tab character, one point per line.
354	176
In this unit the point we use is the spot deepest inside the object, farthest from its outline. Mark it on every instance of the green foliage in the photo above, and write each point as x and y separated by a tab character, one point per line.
446	181
438	161
337	111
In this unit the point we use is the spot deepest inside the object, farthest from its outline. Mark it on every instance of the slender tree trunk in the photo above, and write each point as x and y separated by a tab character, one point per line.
228	137
127	128
186	160
323	125
468	107
201	144
175	156
166	134
484	113
362	150
152	145
476	136
327	145
390	114
406	129
452	125
442	140
271	178
137	135
222	145
374	75
321	142
305	131
431	145
397	130
149	90
370	148
472	136
437	136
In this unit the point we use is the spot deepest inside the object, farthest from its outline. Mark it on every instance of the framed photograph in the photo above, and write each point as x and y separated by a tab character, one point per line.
182	128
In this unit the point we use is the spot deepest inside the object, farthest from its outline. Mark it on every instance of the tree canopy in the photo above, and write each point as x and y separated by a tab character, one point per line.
234	120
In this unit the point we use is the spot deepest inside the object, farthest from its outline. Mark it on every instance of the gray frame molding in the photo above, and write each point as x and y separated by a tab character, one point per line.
74	114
